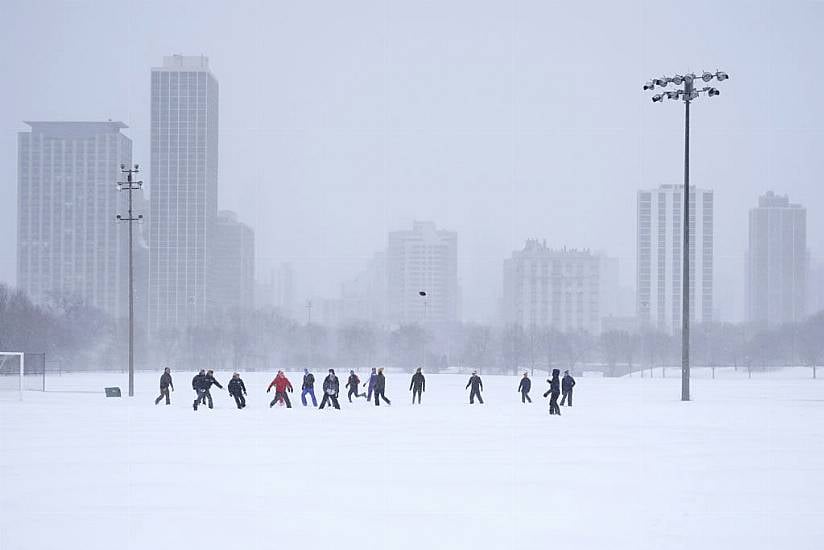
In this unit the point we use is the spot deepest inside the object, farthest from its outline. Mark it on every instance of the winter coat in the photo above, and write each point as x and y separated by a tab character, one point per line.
353	381
208	380
236	386
308	381
418	382
525	385
475	382
199	382
380	382
281	384
567	383
373	378
331	385
554	386
166	381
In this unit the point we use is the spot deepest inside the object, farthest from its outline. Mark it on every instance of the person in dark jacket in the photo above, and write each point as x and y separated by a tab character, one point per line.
380	388
371	382
308	388
477	387
524	387
199	385
553	392
282	385
567	383
331	389
417	385
353	384
208	380
237	389
165	384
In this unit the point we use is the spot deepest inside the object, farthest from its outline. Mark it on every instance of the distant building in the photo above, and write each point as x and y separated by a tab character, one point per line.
659	268
364	297
815	286
553	288
234	263
424	259
184	153
777	261
278	290
68	241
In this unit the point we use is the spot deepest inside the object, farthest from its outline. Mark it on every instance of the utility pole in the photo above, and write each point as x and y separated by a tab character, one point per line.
130	185
686	94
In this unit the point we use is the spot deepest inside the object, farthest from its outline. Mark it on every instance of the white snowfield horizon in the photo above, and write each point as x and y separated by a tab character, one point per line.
628	467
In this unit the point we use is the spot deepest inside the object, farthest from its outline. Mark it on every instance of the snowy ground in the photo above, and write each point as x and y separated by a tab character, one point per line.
628	467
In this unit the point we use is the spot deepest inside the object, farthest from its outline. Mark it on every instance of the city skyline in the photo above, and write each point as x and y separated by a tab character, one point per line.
325	160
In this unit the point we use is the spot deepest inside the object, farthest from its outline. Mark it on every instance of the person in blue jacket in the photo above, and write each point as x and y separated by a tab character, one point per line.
308	388
373	378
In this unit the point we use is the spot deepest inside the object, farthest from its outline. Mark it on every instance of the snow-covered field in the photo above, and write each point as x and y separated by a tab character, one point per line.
742	466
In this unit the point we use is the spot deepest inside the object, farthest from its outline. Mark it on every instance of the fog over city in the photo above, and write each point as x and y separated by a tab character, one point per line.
501	121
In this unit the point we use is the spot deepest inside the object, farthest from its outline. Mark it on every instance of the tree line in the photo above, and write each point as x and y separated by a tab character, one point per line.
81	337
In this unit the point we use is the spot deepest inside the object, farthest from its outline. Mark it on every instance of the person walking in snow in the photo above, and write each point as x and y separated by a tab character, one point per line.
372	379
524	387
165	384
208	380
199	385
308	388
417	386
380	388
352	384
331	389
477	387
237	389
282	385
567	383
554	391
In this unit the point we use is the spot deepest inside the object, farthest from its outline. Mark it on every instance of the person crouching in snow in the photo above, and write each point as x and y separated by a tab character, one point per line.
331	389
554	391
524	387
237	389
282	385
352	384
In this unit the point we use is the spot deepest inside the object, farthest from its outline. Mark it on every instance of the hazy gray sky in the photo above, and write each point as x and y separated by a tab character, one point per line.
340	121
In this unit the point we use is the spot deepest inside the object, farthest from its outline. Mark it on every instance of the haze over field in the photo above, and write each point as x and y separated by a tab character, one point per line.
499	120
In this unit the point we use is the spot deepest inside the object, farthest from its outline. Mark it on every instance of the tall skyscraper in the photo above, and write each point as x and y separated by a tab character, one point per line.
184	152
424	259
234	278
659	268
68	241
557	288
777	261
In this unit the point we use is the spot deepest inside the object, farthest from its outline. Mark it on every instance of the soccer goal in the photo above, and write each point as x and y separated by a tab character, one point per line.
12	373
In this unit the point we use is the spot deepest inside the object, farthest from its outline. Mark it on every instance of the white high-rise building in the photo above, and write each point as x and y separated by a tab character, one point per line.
777	261
553	288
424	259
68	241
184	152
659	268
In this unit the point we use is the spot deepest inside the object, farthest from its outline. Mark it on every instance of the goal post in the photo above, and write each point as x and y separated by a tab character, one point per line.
12	366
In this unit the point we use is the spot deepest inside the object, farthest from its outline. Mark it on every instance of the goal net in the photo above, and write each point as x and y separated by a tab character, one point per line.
21	372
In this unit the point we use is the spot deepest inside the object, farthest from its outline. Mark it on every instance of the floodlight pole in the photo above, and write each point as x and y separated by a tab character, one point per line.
685	279
130	185
687	94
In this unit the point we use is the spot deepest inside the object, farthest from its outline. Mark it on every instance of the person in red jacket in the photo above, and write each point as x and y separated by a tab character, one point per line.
282	385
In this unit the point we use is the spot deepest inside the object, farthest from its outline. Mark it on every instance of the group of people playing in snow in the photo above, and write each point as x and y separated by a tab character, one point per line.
375	386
